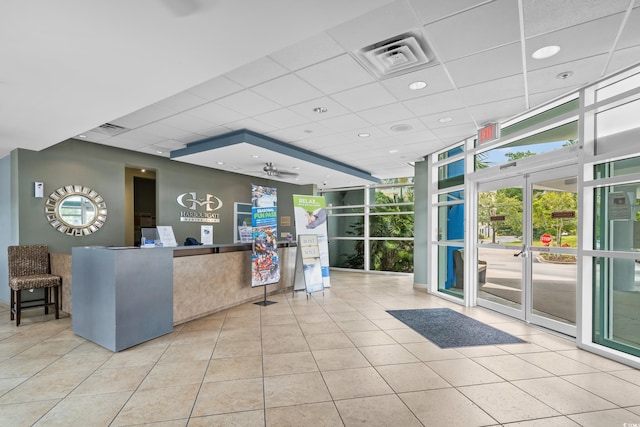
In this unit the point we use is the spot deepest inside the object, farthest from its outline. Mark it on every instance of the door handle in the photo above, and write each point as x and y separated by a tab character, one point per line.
524	248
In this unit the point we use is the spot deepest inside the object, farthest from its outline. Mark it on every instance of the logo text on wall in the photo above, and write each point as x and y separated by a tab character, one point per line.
199	209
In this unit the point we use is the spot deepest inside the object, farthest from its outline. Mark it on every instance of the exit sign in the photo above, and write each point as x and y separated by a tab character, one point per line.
489	132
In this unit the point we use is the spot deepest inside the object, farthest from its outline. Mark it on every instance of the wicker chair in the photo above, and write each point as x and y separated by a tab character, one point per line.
29	269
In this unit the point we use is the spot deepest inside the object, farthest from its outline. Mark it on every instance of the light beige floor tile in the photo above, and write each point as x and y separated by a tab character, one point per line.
312	316
234	419
24	414
328	327
366	338
193	337
427	351
507	403
609	387
557	364
173	374
44	387
411	377
289	363
512	367
634	409
19	366
85	361
445	407
240	334
593	360
287	344
563	396
179	352
322	414
7	384
460	372
91	410
136	356
614	417
347	316
521	348
551	342
387	354
221	397
329	341
546	422
481	351
208	323
49	347
113	380
158	404
357	325
237	349
360	382
341	358
387	323
280	331
234	368
283	319
296	389
630	375
406	335
376	411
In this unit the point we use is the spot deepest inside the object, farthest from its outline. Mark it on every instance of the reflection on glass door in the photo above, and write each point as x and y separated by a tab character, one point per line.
527	247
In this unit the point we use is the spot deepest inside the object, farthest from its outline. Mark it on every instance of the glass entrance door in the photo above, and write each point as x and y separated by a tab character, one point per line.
527	247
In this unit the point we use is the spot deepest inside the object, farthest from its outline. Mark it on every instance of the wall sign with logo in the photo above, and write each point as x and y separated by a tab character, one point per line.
199	209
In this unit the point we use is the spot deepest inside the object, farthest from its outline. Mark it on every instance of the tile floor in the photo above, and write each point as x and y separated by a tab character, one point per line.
330	360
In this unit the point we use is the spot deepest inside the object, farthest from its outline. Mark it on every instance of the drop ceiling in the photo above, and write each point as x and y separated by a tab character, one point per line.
175	72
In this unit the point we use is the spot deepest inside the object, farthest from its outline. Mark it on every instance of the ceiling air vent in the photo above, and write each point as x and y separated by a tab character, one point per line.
110	129
396	55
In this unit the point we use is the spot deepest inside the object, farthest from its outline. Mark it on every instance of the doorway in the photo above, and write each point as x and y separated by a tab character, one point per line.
527	238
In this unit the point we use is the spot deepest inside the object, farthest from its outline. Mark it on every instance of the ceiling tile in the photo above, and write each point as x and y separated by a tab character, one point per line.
432	104
498	111
143	116
216	114
216	88
364	97
586	70
457	117
489	65
257	72
543	16
336	74
403	127
305	109
435	77
287	90
430	11
164	130
540	98
378	25
308	52
248	102
297	133
631	34
577	42
458	132
494	90
282	118
387	113
251	124
345	123
180	102
497	20
623	58
187	122
214	131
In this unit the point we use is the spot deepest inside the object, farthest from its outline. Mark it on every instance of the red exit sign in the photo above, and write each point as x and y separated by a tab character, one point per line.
490	132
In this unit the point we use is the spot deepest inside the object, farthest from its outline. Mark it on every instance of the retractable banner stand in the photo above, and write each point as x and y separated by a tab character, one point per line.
311	218
265	268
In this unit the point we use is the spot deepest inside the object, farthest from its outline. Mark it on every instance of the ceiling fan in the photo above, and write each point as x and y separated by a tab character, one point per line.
271	170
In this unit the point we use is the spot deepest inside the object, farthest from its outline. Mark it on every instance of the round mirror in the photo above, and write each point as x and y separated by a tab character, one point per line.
76	210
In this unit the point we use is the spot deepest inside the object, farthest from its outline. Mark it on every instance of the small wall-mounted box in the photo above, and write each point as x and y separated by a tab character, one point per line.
38	190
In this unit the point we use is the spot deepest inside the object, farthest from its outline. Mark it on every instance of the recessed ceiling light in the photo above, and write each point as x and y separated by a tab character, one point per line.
255	156
308	131
143	170
393	151
364	135
401	127
320	110
220	163
545	52
159	151
82	136
296	168
417	85
444	119
564	75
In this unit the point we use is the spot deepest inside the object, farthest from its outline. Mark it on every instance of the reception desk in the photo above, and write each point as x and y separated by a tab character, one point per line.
196	281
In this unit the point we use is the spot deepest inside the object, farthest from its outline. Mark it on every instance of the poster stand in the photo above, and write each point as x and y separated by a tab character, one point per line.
308	271
265	302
